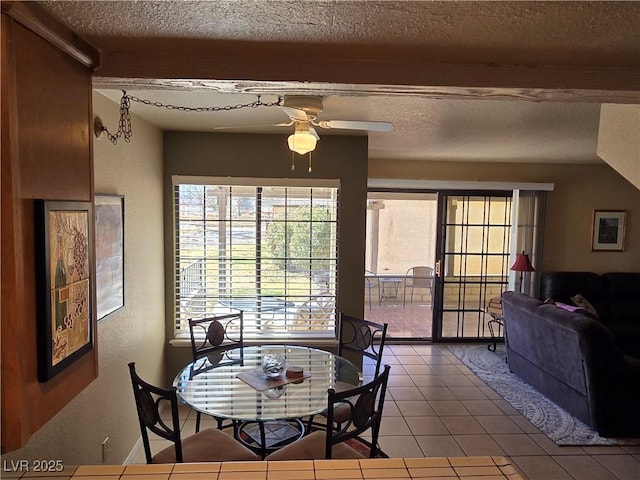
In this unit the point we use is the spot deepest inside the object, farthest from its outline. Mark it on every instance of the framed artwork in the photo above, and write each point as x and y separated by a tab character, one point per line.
608	230
109	216
64	292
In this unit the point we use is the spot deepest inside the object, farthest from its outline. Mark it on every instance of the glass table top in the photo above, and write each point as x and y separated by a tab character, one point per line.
211	385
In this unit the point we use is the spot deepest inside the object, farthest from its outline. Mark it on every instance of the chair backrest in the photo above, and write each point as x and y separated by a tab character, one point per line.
421	276
365	403
315	313
148	400
370	279
359	335
213	336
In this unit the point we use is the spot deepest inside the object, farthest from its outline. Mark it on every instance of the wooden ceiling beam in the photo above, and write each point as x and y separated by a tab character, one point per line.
242	67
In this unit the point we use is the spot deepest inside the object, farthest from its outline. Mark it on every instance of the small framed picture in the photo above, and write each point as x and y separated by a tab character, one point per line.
608	230
109	218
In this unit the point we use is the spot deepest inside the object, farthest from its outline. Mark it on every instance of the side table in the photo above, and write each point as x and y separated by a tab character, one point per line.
494	308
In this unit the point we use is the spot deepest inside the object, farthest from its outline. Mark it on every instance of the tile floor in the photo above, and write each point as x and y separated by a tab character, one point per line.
436	407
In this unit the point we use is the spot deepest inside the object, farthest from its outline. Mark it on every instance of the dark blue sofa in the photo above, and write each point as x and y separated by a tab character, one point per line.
574	361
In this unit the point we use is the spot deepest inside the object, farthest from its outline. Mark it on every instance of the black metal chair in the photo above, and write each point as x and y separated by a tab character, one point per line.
210	445
213	338
363	337
365	405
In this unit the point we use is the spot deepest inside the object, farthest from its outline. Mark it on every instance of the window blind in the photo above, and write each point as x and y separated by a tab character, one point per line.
268	250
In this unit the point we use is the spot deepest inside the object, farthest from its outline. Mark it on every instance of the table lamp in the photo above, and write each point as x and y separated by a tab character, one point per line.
522	264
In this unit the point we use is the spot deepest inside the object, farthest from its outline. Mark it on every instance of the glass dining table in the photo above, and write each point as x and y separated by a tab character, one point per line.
266	416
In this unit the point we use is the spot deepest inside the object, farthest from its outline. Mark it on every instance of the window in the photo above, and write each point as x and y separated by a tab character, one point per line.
269	250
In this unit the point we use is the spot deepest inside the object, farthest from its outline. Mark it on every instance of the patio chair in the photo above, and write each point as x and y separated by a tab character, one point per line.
315	313
418	277
365	404
371	282
210	445
212	338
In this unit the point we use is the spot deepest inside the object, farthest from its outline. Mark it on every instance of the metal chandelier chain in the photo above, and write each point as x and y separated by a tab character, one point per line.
124	125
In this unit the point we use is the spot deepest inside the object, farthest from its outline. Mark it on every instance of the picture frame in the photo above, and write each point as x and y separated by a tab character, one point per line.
109	218
64	291
607	230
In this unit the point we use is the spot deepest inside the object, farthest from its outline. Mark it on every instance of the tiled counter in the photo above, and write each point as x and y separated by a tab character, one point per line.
466	468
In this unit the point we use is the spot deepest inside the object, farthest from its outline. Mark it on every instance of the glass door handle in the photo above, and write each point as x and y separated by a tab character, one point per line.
437	269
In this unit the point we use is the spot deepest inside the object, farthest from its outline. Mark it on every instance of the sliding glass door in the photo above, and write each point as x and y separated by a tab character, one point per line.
434	259
472	261
400	254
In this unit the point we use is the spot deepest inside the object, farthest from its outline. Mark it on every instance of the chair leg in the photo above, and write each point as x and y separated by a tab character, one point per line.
197	422
310	423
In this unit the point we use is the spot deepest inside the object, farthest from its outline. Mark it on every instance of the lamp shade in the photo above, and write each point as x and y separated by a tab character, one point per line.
302	142
522	263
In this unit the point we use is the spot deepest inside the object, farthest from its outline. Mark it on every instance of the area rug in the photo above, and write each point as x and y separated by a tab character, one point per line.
556	423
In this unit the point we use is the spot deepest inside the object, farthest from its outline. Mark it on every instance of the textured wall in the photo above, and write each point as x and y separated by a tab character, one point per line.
134	333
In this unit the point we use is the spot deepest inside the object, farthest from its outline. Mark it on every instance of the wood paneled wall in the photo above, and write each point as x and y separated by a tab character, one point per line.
46	153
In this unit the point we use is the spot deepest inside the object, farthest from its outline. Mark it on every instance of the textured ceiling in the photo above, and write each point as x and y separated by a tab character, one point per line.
523	33
547	32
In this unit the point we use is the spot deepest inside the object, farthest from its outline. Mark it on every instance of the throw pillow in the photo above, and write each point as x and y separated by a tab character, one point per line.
575	309
582	302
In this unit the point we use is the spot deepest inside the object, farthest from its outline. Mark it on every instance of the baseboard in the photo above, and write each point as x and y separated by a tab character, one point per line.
134	452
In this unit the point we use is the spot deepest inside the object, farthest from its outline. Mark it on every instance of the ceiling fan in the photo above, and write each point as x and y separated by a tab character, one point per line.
303	111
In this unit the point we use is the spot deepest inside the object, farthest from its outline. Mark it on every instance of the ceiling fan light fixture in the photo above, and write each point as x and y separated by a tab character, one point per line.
302	142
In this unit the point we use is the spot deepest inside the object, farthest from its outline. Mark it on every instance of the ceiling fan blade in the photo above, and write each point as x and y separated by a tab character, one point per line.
295	113
227	127
355	125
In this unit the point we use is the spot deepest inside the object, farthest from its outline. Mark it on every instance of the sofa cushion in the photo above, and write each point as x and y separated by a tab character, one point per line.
585	304
561	286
